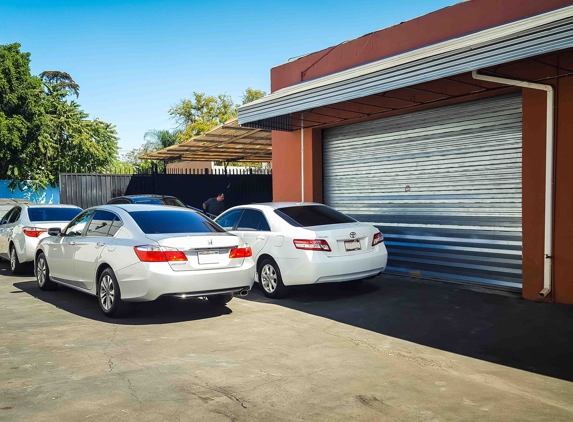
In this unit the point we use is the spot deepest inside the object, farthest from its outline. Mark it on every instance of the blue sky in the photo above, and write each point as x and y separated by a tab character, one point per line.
135	59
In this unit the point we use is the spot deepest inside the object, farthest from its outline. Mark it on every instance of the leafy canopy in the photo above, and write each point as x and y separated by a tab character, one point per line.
42	131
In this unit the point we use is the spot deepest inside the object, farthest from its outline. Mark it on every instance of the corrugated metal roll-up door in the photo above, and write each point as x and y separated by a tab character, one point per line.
443	185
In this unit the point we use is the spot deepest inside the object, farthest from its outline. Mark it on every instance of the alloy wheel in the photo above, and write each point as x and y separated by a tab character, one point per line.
106	292
41	271
269	278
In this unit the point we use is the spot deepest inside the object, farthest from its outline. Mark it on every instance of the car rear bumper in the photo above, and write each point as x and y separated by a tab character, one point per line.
143	282
319	268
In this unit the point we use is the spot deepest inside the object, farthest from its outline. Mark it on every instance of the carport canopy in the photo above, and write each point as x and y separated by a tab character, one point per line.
228	142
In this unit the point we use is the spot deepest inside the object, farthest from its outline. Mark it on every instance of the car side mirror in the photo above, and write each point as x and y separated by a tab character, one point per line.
55	231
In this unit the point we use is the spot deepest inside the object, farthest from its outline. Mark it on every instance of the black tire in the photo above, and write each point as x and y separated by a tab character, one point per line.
109	295
15	265
43	274
220	300
271	280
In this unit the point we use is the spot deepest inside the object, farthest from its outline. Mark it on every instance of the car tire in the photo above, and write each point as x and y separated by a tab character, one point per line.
15	265
271	280
43	274
109	295
220	300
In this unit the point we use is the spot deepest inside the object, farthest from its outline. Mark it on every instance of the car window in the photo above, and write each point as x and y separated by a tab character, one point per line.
52	213
118	201
6	217
115	226
229	219
253	220
148	200
312	215
78	224
173	221
15	215
101	223
174	202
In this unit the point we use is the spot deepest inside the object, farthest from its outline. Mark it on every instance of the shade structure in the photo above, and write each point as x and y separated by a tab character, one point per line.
228	142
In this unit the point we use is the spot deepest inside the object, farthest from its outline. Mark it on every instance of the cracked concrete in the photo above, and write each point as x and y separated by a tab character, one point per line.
396	350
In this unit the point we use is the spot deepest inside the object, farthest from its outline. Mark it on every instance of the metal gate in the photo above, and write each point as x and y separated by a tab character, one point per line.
443	185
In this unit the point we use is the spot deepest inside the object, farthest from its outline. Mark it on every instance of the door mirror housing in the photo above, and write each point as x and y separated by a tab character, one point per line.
55	231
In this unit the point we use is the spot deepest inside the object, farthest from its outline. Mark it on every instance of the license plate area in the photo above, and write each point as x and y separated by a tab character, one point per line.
352	245
208	257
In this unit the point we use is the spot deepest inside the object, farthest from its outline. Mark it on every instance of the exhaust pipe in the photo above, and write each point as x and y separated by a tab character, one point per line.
244	292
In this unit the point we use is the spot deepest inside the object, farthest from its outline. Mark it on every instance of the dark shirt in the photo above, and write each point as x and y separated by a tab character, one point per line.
213	206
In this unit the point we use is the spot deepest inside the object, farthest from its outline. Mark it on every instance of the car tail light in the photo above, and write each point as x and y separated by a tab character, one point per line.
150	253
33	231
378	238
240	252
312	245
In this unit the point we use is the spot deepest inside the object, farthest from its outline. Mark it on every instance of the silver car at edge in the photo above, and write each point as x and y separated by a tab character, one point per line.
24	225
136	253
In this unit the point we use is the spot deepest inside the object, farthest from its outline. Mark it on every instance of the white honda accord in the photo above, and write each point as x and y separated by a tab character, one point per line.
134	253
306	243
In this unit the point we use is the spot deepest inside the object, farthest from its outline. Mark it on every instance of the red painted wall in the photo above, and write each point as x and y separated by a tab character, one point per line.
450	22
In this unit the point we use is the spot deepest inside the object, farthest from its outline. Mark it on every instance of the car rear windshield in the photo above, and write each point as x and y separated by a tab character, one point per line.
162	222
312	215
159	201
52	214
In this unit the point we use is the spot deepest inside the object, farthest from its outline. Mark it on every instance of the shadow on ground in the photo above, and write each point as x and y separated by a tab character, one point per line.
492	326
161	311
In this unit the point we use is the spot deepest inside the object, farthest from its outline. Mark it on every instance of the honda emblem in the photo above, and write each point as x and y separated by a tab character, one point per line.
210	242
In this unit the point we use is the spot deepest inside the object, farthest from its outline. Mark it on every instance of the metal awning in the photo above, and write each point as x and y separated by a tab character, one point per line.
227	142
544	33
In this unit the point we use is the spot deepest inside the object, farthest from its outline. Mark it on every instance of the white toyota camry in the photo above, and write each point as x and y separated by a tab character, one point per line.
305	243
136	253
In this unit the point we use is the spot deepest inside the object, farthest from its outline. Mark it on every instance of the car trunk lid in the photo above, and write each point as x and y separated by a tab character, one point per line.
204	251
346	238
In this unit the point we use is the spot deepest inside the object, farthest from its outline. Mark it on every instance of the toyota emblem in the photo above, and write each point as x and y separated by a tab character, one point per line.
352	235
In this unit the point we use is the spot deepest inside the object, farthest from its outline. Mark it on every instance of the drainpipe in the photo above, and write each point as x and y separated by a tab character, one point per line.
549	173
302	155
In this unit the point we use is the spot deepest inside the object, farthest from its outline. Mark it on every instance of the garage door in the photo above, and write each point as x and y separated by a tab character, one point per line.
443	185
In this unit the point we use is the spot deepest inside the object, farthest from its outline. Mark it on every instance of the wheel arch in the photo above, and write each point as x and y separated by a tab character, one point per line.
100	269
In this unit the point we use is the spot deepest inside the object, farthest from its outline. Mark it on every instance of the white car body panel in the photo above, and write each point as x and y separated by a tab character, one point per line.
12	233
298	266
77	265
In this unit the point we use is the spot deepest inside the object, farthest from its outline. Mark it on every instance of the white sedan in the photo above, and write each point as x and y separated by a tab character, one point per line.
137	253
305	243
22	227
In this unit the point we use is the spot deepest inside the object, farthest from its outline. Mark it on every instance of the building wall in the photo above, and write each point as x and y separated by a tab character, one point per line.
453	21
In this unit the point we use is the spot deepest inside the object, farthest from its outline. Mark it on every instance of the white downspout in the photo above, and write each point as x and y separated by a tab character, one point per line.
549	173
302	155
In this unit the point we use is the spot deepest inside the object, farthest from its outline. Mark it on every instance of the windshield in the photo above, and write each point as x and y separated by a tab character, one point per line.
52	213
172	221
158	201
312	215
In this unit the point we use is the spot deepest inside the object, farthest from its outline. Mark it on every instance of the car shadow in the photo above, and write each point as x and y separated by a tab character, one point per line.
494	326
161	311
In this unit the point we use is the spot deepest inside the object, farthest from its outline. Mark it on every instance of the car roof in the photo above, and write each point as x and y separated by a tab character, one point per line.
51	206
144	195
142	207
278	205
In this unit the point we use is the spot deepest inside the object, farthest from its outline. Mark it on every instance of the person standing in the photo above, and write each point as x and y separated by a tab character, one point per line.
215	205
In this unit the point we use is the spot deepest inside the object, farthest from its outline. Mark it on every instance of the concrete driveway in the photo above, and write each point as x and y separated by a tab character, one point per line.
397	349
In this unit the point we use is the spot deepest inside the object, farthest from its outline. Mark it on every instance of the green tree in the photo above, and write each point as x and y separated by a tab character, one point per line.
201	113
22	117
159	139
42	132
251	94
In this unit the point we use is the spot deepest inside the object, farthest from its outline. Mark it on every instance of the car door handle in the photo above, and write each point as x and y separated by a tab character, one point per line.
100	244
261	237
72	242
